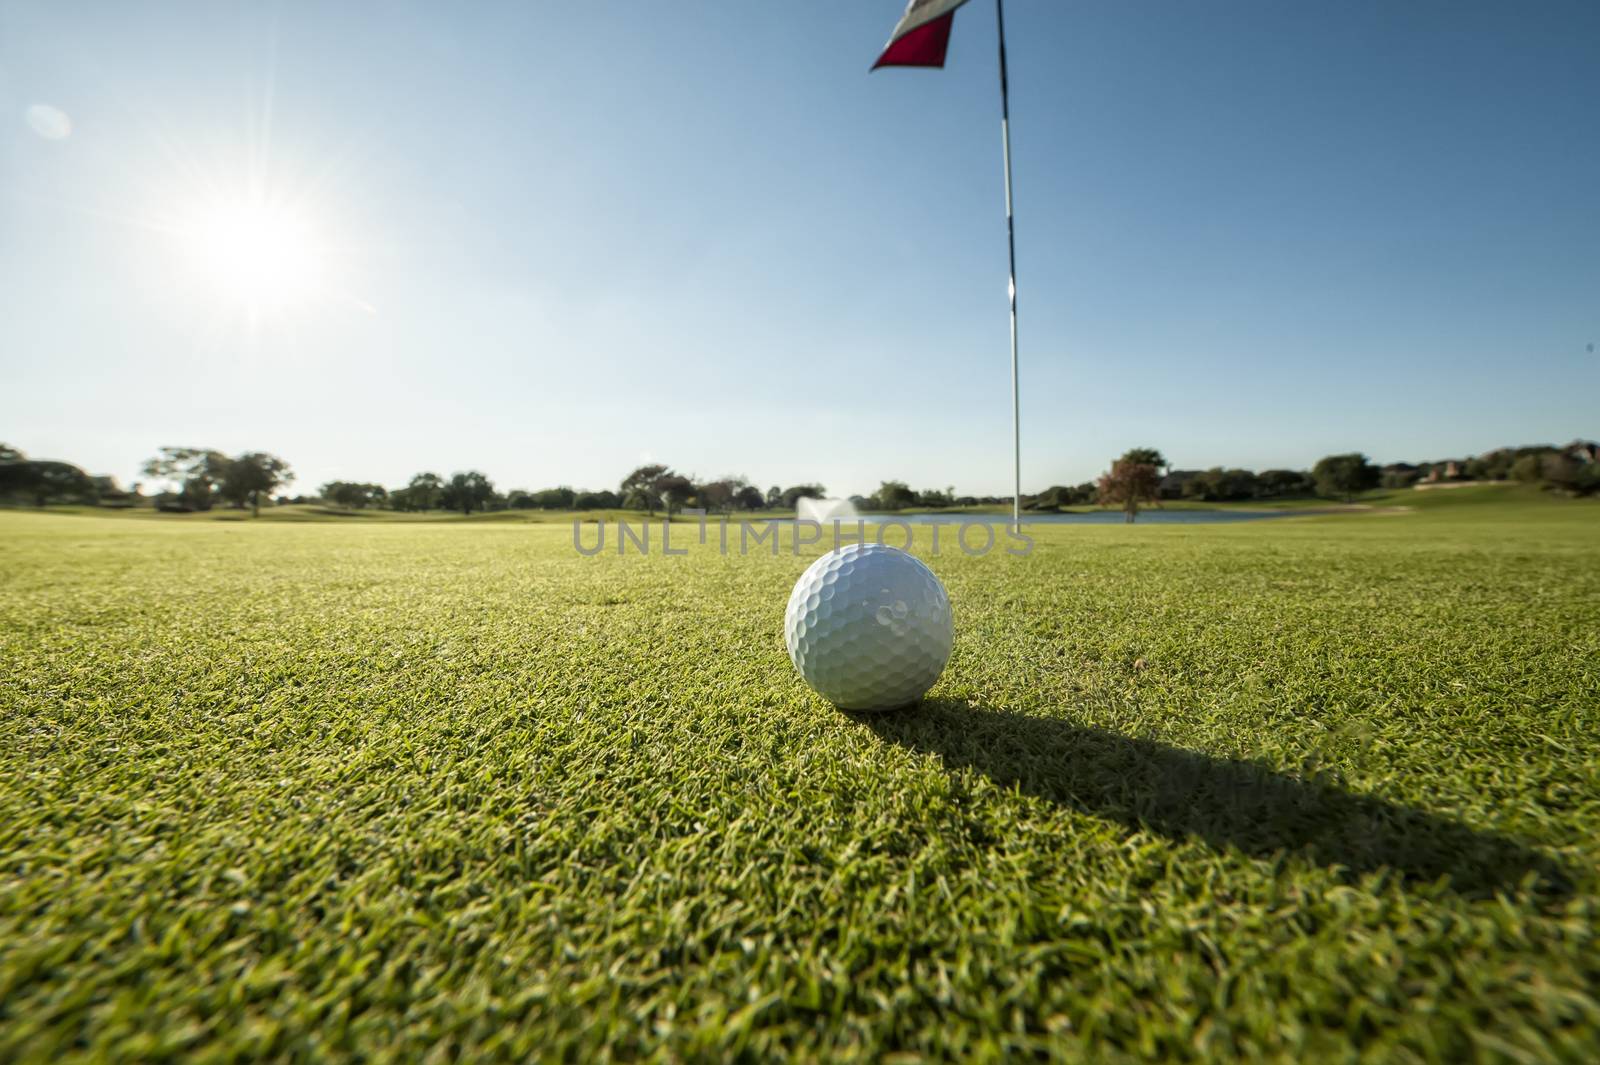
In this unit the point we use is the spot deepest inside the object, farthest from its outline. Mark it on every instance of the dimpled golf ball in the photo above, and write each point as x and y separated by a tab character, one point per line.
869	627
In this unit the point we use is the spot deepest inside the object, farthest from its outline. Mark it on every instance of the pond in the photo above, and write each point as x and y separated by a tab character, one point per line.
1093	517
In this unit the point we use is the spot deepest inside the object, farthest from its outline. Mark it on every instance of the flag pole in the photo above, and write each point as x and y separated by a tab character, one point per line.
1011	251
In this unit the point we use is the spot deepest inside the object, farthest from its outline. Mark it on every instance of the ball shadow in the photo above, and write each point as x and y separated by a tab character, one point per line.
1225	802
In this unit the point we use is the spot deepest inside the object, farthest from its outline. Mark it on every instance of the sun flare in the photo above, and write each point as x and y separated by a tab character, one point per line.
256	257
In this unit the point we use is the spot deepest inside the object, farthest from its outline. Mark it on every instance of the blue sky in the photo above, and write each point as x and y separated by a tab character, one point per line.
554	240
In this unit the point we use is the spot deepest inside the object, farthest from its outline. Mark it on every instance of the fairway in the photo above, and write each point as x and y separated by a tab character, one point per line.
1292	789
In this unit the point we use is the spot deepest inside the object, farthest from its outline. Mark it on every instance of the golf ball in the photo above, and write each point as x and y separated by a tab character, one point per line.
869	627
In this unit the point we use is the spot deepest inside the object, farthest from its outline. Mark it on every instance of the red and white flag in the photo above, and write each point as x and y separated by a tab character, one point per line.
920	38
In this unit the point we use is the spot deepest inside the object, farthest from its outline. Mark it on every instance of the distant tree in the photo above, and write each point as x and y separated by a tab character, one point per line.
796	492
1145	456
357	495
1566	472
14	480
196	470
107	493
1131	481
1237	485
42	481
717	495
774	496
933	497
673	490
1402	475
560	498
1276	484
1219	485
1529	469
749	497
1053	498
421	494
467	492
1344	476
602	500
247	477
895	495
644	480
1197	485
638	499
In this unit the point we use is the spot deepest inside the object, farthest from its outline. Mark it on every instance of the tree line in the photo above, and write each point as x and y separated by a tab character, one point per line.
1142	476
198	479
205	478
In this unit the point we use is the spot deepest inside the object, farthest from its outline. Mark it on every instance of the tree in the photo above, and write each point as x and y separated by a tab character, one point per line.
421	494
1404	475
108	493
774	496
1175	485
10	454
717	495
1146	456
1344	476
467	492
893	495
1053	498
672	488
197	471
247	477
643	480
354	494
602	500
560	498
1278	483
1131	481
43	481
1562	471
749	498
638	499
796	492
1220	485
1528	469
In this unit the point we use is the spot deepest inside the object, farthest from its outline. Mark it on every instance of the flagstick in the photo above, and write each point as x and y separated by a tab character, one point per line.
1011	250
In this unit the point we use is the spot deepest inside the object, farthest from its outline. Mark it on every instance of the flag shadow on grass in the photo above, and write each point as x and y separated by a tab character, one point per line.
1223	801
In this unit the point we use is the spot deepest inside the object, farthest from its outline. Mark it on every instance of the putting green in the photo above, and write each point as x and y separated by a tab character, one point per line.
1288	789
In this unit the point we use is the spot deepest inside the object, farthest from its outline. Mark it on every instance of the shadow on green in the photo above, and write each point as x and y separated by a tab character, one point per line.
1228	803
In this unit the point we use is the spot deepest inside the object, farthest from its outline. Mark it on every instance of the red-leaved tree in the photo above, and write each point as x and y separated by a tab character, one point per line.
1133	479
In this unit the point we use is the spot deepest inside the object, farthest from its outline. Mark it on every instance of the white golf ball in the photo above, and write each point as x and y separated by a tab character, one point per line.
869	627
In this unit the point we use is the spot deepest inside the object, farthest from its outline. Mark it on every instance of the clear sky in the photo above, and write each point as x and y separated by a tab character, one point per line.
549	241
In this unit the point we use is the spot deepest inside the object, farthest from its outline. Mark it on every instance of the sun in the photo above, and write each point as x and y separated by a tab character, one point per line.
255	256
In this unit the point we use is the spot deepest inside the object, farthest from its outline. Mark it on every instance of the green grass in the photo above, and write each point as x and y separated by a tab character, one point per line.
1317	788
